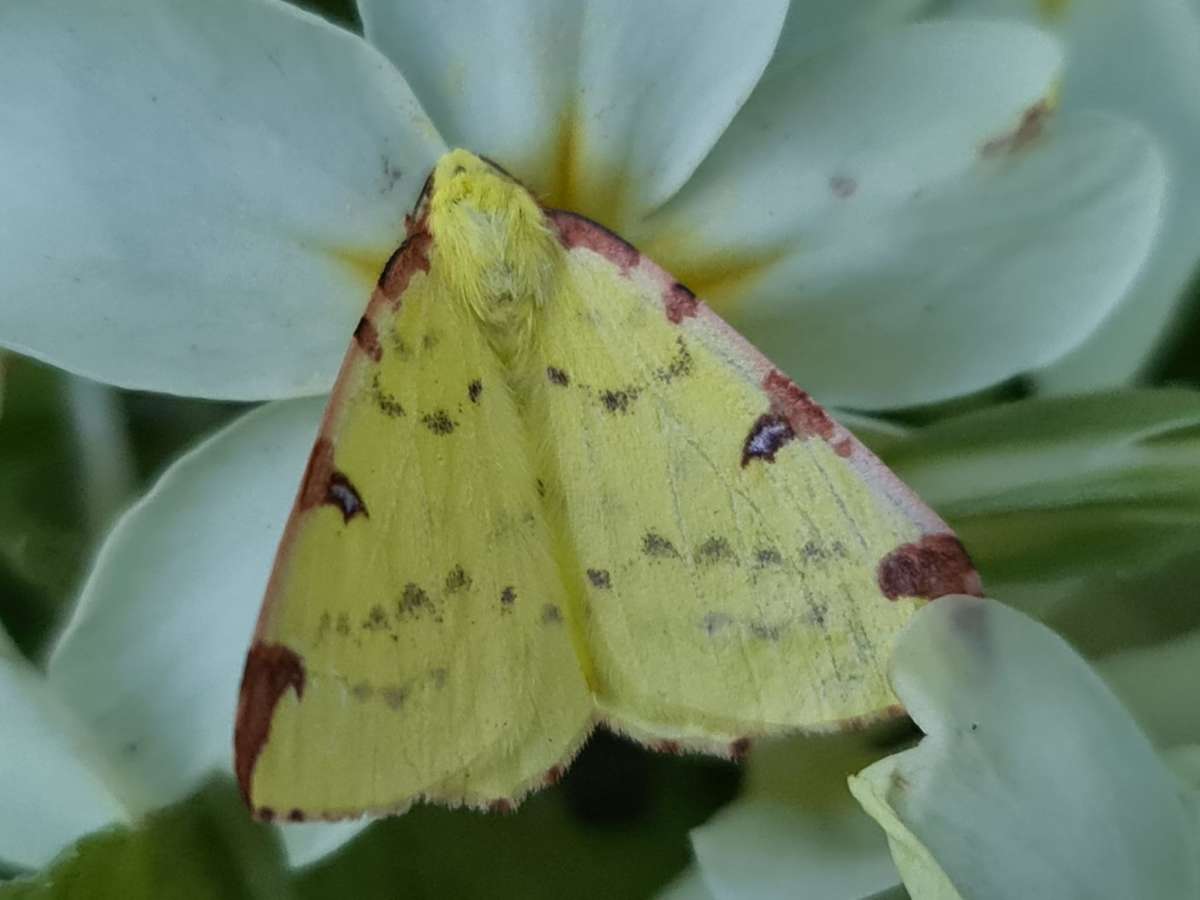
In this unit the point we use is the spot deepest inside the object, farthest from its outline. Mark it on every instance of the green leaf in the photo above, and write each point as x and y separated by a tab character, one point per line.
1083	511
207	847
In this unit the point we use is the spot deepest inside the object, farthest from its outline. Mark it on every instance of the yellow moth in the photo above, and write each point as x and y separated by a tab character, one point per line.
553	490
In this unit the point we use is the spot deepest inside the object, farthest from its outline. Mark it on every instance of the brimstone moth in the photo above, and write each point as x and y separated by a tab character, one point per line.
553	490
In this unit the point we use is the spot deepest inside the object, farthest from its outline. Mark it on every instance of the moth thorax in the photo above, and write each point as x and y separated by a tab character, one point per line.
497	251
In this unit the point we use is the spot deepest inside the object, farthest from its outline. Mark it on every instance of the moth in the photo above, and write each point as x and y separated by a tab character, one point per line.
553	490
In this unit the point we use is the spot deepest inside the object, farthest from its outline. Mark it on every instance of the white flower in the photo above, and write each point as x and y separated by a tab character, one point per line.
1140	60
198	197
1031	781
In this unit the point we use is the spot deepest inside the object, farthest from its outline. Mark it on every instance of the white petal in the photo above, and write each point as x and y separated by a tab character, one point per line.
923	877
865	222
1032	781
814	25
195	194
307	842
763	849
796	831
153	654
52	780
1185	763
604	107
1158	46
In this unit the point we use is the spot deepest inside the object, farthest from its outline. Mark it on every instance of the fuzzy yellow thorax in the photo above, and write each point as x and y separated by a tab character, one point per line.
497	250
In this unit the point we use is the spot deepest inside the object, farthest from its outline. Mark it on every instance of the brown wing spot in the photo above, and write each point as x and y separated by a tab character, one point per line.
296	815
932	567
508	597
554	775
551	614
714	550
415	220
384	399
804	414
765	632
474	389
457	580
671	748
618	401
344	496
315	482
739	749
768	556
368	339
504	807
680	366
680	303
793	414
413	601
395	696
715	622
265	814
767	435
270	670
578	231
439	422
656	545
402	350
323	484
557	376
410	257
376	619
599	578
324	623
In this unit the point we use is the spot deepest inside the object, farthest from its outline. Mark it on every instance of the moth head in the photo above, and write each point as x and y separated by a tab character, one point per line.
495	247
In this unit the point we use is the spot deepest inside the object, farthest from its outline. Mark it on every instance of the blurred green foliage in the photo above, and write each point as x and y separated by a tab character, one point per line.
1083	511
205	848
45	540
616	826
1181	357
